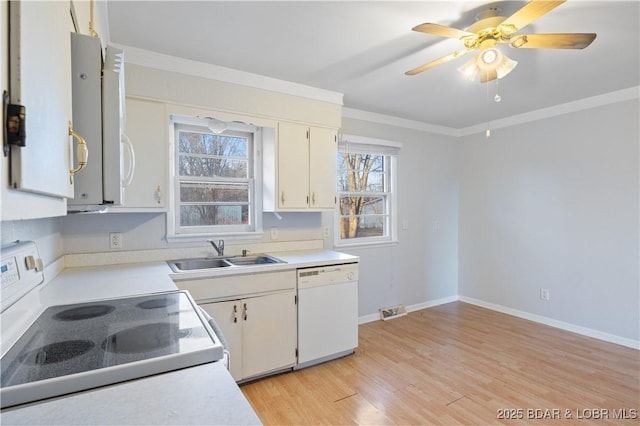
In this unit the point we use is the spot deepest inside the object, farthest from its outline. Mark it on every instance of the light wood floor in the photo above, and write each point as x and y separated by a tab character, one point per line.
459	364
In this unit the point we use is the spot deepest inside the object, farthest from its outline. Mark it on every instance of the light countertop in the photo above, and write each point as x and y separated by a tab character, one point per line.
205	394
202	395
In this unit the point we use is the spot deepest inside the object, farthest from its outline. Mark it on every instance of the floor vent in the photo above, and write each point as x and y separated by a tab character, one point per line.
393	312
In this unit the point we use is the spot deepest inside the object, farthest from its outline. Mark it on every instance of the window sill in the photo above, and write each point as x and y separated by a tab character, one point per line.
186	238
371	244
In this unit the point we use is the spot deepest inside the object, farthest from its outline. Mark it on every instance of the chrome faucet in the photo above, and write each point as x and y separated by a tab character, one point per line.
219	248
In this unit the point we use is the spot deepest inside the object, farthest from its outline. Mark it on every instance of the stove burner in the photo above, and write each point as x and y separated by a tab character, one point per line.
144	338
160	302
83	312
57	352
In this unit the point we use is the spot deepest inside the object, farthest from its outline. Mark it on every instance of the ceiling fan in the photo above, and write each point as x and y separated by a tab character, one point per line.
491	30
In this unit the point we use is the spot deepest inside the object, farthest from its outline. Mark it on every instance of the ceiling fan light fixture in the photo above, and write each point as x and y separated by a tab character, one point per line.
506	66
470	69
491	61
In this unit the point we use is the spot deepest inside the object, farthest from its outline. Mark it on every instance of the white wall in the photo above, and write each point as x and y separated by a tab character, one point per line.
47	233
423	266
554	204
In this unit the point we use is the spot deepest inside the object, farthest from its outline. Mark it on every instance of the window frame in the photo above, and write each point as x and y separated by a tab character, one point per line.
196	233
390	150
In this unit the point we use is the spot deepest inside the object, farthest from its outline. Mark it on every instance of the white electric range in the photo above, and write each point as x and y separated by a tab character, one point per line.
52	350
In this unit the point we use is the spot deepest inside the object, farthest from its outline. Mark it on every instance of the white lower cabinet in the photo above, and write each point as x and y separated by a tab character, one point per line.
257	314
261	332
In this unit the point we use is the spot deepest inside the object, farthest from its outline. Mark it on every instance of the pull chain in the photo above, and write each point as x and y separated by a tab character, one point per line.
496	98
488	131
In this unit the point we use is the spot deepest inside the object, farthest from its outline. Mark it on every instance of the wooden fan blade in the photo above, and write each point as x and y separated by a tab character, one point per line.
436	62
554	41
441	30
527	14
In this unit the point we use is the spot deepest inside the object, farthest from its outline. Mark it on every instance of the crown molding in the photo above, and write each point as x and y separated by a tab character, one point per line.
374	117
146	58
569	107
541	114
164	62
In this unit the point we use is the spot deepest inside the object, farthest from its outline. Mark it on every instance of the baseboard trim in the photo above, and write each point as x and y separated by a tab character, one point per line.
607	337
432	303
411	308
584	331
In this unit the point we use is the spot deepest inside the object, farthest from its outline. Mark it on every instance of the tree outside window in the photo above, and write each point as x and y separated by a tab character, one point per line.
363	188
215	180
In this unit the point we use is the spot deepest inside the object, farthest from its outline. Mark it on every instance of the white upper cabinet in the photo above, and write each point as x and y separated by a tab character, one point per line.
35	178
293	166
303	175
40	80
322	167
146	129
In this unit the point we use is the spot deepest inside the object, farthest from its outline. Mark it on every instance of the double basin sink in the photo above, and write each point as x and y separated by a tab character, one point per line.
197	264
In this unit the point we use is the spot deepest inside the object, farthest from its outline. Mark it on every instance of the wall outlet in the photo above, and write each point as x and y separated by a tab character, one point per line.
274	233
115	240
544	294
325	232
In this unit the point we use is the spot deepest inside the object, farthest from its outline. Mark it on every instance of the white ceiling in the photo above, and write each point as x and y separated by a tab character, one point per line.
363	48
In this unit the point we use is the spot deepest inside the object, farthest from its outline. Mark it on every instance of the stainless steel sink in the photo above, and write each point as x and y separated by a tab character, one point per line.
196	264
253	260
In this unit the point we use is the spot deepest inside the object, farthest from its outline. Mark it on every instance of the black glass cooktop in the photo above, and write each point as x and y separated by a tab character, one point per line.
80	346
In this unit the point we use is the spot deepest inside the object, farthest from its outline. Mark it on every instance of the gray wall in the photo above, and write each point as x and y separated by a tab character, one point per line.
554	204
423	266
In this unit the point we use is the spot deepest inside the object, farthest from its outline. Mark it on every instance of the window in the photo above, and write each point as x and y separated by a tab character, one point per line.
214	178
366	186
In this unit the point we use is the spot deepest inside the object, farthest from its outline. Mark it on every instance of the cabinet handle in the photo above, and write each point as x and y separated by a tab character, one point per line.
82	153
245	311
235	311
158	194
132	159
283	198
313	198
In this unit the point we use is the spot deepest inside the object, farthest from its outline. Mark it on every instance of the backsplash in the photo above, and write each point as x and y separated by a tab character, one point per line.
45	232
89	233
78	234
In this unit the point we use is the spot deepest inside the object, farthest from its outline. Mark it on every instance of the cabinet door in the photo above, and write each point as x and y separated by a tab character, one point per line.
227	316
40	56
268	333
293	166
146	129
322	168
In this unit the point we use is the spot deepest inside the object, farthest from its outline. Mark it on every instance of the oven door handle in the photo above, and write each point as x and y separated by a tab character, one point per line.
216	328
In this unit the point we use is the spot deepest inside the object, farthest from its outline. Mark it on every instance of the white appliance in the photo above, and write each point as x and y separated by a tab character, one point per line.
99	116
327	313
49	351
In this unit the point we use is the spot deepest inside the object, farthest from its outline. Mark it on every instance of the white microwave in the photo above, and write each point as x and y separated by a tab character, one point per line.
98	99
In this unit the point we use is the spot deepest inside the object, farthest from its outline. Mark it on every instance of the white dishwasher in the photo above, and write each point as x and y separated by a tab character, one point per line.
327	313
